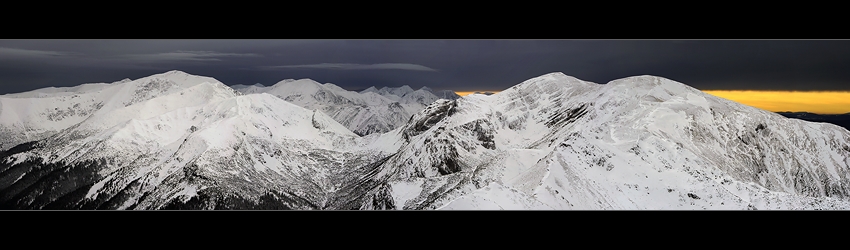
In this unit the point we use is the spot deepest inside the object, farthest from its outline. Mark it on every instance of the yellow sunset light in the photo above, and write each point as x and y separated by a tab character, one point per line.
820	102
465	93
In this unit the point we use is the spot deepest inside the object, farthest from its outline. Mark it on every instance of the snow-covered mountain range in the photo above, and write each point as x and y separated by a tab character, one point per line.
406	92
37	114
556	142
551	142
369	111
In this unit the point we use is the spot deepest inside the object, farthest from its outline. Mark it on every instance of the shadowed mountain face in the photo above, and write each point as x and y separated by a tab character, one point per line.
842	120
551	142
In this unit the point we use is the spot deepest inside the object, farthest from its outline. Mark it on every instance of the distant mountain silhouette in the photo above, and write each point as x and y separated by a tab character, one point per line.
842	120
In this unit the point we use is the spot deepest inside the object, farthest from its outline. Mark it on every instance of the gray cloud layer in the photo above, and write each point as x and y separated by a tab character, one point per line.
463	65
8	53
354	66
187	56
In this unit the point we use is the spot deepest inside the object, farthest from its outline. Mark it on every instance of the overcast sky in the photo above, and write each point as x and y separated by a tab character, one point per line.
460	65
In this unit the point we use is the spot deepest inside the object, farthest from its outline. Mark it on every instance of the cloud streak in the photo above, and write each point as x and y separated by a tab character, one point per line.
354	66
29	53
185	55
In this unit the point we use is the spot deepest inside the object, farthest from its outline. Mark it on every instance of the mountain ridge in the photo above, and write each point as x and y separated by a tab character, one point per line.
550	142
609	148
39	113
362	112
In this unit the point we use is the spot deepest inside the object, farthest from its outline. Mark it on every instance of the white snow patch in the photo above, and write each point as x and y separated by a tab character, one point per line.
406	190
495	197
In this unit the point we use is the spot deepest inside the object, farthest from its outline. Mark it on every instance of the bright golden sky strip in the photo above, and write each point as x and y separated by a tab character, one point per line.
464	93
820	102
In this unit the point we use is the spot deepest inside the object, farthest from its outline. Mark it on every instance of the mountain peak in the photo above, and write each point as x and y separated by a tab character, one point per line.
285	81
125	80
547	83
181	77
397	91
173	73
554	76
653	83
643	80
446	94
300	83
369	89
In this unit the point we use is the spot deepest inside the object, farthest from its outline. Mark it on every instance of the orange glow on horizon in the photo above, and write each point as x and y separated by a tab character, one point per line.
465	93
819	102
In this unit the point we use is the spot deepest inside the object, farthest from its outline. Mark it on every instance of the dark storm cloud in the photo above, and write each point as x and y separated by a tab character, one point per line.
461	65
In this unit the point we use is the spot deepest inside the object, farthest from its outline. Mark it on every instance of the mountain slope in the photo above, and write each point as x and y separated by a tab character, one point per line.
252	151
635	143
363	113
40	113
